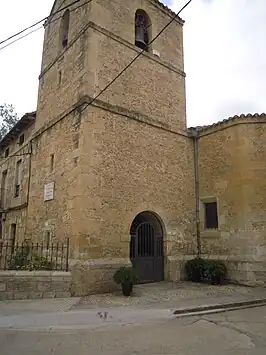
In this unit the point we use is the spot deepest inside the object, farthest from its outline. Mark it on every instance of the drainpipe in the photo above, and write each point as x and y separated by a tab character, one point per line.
28	189
195	137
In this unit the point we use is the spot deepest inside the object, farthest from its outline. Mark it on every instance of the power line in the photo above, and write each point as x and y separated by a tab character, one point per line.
9	44
136	57
118	75
38	22
18	39
129	64
75	8
59	7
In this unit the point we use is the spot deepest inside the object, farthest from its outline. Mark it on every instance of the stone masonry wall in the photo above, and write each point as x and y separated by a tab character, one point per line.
95	275
14	208
98	49
118	157
18	217
16	285
64	73
232	169
54	160
118	17
16	153
127	167
148	86
120	167
152	85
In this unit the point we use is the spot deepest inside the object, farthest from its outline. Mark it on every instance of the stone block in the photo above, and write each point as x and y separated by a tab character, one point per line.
60	286
60	278
20	295
2	296
22	284
6	296
35	295
44	286
2	287
39	278
50	294
61	274
9	284
43	274
62	294
34	285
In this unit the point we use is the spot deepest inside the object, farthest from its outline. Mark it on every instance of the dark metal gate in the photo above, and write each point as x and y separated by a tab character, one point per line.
146	251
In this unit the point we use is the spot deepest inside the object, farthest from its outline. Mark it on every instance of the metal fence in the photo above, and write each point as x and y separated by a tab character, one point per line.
34	256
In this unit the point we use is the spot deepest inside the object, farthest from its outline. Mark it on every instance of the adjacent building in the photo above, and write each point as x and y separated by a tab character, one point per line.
15	155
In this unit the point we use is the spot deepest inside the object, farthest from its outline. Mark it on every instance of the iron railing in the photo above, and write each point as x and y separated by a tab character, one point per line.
34	256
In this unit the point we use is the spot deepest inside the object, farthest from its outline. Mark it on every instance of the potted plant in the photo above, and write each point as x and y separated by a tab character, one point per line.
127	277
216	272
195	269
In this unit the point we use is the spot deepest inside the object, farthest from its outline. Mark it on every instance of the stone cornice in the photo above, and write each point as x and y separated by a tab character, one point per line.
157	3
116	38
231	121
136	49
86	100
134	115
167	10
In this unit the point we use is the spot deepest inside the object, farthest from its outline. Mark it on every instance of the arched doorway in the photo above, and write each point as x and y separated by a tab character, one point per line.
146	247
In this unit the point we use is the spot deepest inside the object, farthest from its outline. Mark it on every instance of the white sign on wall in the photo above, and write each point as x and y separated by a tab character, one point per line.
158	54
49	191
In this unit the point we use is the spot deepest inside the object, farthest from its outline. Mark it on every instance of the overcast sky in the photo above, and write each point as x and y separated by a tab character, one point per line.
224	44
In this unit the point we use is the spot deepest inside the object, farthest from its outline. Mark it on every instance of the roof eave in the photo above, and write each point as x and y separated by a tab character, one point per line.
25	121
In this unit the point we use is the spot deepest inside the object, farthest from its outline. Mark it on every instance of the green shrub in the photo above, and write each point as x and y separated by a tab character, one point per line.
195	269
215	271
199	269
39	263
22	260
126	274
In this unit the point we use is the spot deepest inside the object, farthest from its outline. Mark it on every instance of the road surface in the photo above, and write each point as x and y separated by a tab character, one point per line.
241	332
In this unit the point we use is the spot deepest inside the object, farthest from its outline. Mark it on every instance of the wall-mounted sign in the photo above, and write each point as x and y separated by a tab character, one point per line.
49	191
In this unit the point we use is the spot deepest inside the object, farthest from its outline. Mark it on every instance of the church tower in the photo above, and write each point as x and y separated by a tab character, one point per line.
86	46
120	164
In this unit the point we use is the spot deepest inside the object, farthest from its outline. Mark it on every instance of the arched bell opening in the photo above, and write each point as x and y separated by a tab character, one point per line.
146	247
143	29
64	29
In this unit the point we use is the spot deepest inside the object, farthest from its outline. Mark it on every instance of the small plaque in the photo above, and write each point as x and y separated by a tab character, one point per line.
49	191
156	53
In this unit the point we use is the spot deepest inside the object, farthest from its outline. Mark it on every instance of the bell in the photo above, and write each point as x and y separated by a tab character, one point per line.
140	37
65	41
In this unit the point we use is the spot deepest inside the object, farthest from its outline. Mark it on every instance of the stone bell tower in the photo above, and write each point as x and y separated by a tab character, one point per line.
114	155
86	46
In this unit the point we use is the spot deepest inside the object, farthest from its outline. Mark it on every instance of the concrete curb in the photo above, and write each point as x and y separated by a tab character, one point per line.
219	307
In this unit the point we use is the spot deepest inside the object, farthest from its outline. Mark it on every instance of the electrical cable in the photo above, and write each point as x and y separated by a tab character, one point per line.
137	56
59	17
119	74
15	40
38	22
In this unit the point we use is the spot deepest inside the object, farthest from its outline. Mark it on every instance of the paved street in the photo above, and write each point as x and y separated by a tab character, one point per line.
143	324
241	332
